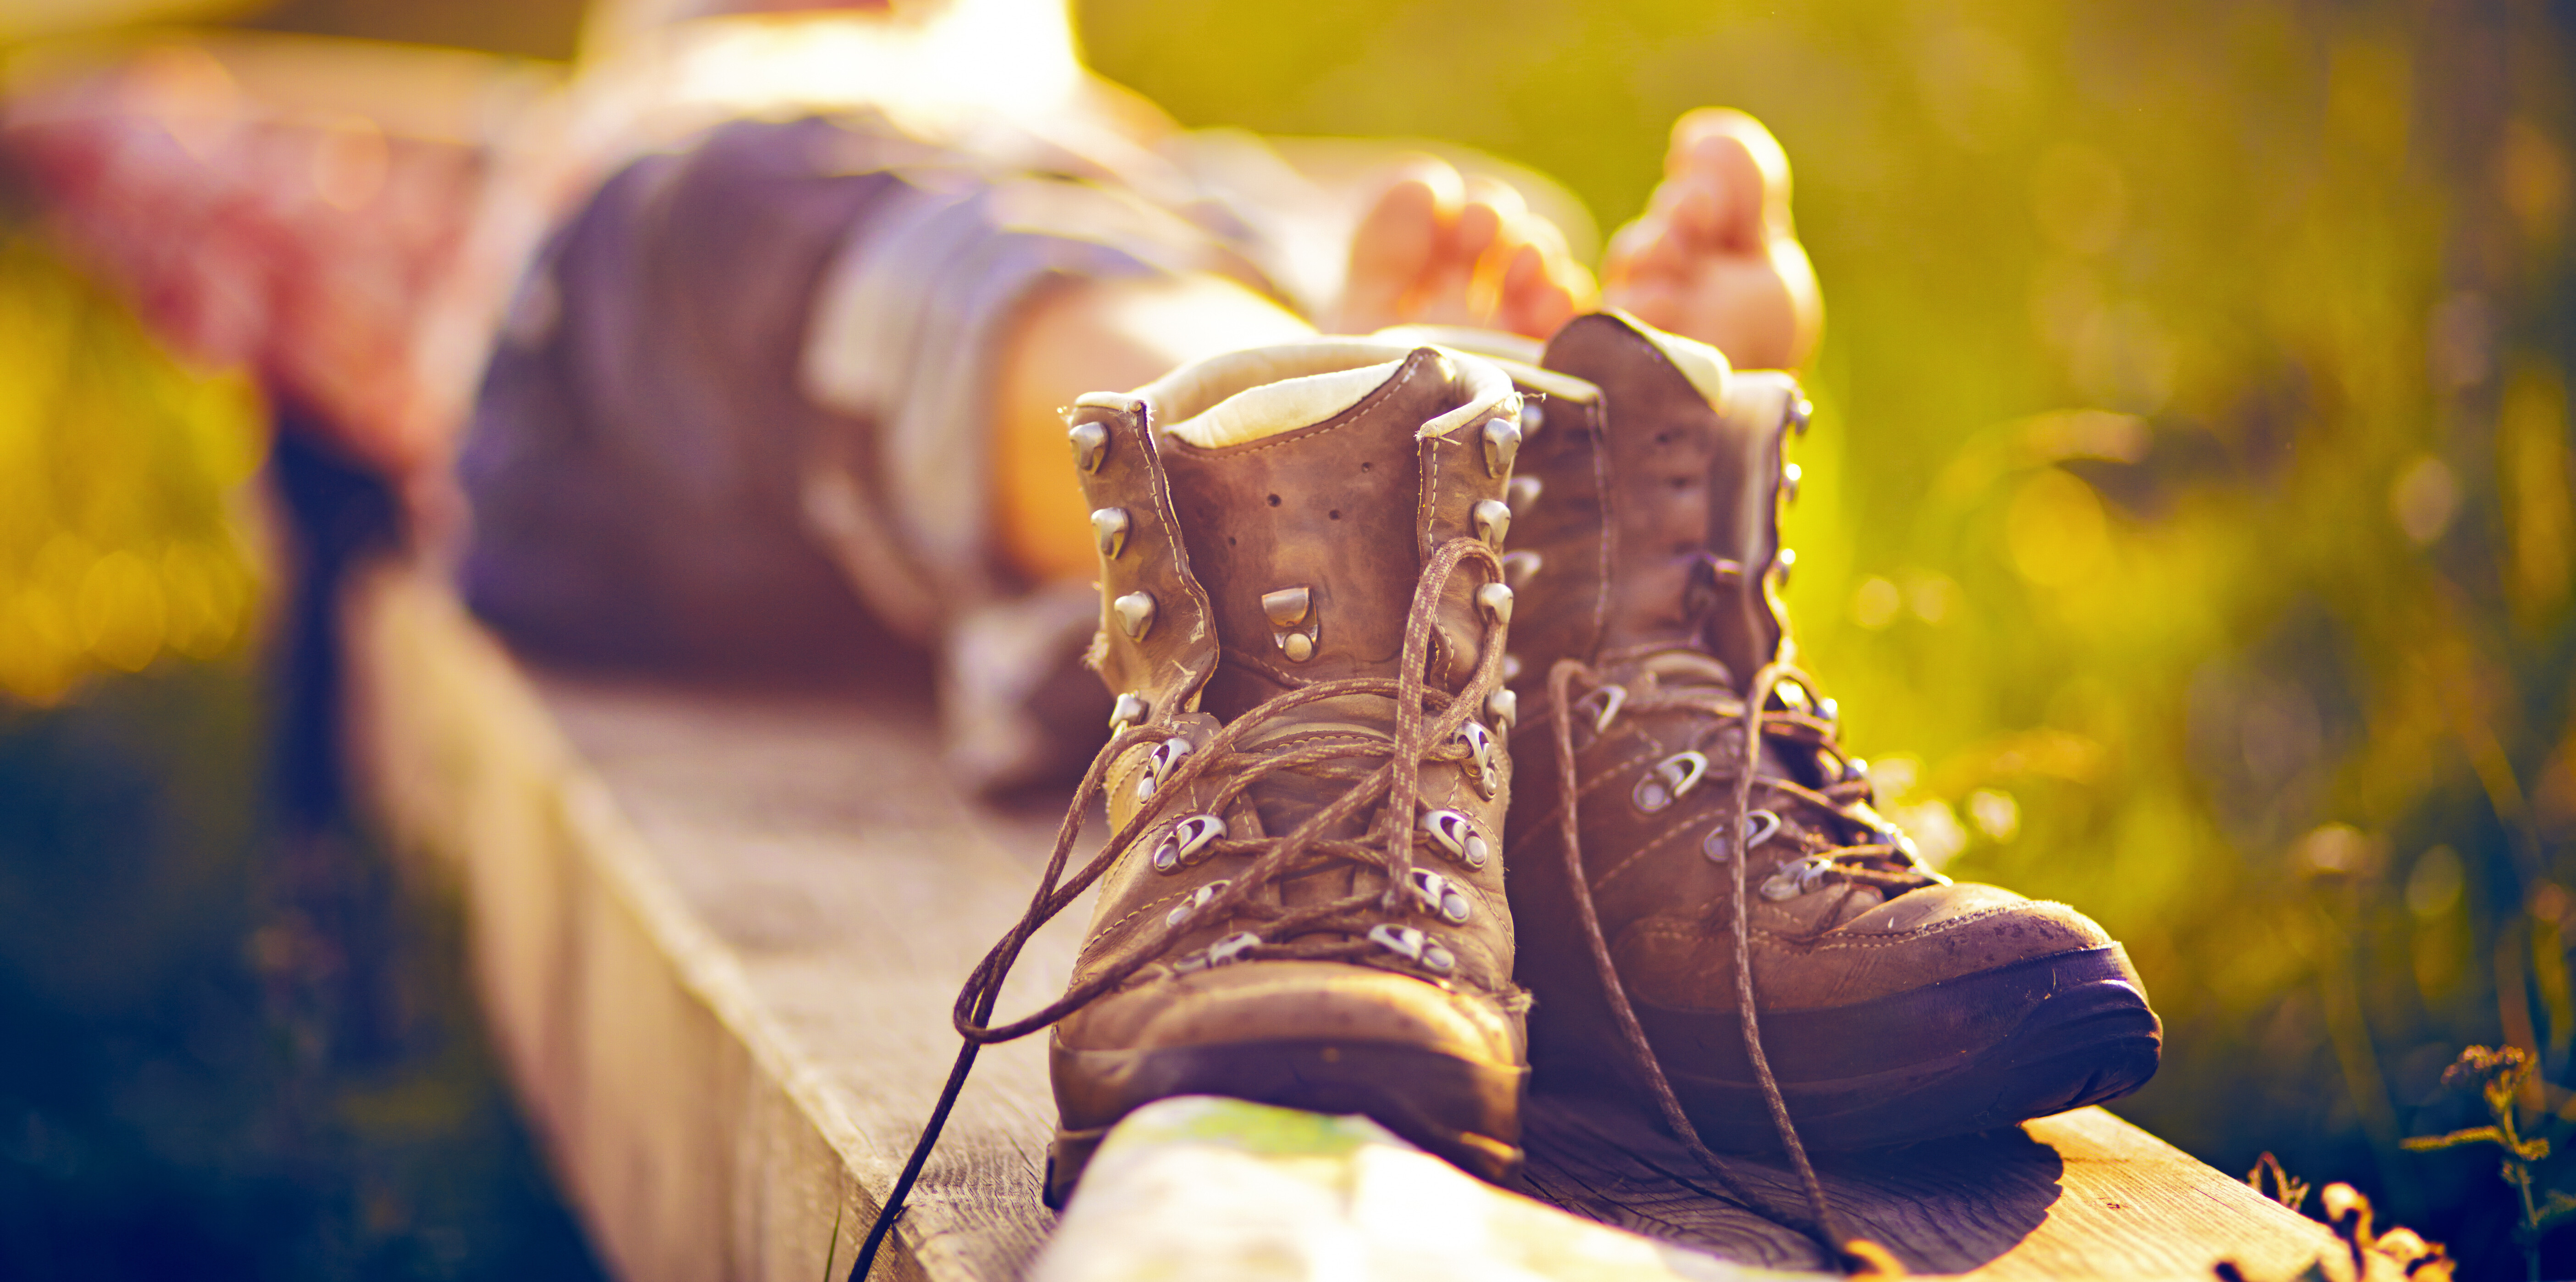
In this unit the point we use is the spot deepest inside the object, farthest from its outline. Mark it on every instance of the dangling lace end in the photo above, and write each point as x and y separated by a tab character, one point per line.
983	988
1632	1035
902	1189
1824	1225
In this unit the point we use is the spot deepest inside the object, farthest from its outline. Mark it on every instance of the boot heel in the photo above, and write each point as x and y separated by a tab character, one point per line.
1066	1158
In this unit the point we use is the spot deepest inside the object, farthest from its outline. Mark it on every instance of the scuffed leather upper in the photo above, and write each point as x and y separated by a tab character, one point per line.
1346	509
1656	526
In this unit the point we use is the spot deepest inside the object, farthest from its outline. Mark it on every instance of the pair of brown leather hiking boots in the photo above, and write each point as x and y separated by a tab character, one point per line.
1344	585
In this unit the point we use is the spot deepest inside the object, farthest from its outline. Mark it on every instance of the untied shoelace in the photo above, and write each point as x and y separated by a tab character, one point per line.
1417	737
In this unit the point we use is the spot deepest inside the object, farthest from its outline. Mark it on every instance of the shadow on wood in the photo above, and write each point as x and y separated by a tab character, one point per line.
1947	1207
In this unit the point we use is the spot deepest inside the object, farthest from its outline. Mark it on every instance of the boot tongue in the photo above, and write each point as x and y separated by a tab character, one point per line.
1310	539
1690	497
1310	542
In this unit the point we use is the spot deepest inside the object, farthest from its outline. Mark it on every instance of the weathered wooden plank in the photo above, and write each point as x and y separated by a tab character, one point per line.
717	935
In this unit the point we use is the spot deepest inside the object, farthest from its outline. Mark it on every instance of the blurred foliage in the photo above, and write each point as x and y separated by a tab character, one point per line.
2187	529
235	1047
234	1053
118	465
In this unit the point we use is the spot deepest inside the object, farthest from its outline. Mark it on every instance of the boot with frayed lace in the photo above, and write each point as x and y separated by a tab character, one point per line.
1732	924
1301	900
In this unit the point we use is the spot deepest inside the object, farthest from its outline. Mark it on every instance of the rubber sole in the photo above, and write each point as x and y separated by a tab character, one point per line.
1968	1054
1457	1109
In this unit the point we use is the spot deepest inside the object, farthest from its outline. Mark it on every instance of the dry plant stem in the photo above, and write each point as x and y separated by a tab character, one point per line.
2507	1073
2286	1189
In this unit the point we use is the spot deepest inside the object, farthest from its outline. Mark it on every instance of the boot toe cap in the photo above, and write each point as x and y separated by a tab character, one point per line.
1925	937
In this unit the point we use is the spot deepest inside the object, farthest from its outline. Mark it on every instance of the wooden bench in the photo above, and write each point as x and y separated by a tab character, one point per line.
716	935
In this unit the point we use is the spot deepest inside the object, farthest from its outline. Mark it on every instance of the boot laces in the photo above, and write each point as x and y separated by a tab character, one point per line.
1864	849
1881	856
1430	728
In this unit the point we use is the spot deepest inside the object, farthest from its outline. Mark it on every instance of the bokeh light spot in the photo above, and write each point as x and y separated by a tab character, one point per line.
1932	595
1876	603
2423	498
1938	837
120	611
1995	813
207	595
2434	887
2055	530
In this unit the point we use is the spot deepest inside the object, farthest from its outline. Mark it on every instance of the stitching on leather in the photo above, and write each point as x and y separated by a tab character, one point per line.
1609	524
1359	410
1544	828
1668	929
1687	823
1103	934
1885	939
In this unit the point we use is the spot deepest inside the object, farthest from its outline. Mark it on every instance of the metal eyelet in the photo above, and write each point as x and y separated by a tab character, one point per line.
1781	564
1224	951
1798	877
1759	826
1520	567
1090	445
1109	526
1502	445
1493	522
1187	843
1130	711
1504	707
1793	696
1855	771
1158	763
1135	614
1670	780
1287	608
1522	494
1440	897
1455	834
1409	943
1480	758
1801	412
1610	699
1199	898
1532	419
1790	475
1496	601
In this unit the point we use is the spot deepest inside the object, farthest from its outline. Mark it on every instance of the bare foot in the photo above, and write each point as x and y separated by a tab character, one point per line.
1714	256
1439	249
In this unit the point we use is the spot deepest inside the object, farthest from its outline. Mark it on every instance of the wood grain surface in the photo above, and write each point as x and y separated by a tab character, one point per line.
717	933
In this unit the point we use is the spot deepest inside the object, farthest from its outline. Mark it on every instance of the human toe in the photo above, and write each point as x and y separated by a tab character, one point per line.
1396	240
1540	291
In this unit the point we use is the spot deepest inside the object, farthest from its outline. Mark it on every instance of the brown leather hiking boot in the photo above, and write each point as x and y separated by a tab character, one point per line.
1303	620
1892	1004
